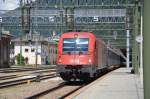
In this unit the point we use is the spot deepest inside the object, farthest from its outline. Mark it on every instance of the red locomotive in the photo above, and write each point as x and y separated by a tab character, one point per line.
82	56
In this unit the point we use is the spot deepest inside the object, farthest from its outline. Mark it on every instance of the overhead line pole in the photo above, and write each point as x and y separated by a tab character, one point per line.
37	36
146	46
128	49
127	37
22	29
135	56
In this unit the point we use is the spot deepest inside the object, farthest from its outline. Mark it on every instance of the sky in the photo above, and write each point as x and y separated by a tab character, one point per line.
8	4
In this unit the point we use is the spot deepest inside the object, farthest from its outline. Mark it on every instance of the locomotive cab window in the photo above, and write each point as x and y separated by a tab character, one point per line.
75	45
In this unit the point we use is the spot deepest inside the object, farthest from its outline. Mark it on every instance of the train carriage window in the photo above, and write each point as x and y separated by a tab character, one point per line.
75	44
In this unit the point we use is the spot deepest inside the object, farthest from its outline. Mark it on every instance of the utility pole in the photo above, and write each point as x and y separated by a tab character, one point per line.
70	18
61	16
22	27
37	35
36	52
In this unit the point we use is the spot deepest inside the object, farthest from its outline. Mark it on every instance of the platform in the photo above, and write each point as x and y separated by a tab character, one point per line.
118	84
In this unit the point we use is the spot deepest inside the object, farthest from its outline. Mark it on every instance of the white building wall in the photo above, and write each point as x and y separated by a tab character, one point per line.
31	55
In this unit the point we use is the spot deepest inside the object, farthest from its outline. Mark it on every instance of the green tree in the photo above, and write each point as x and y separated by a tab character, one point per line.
20	59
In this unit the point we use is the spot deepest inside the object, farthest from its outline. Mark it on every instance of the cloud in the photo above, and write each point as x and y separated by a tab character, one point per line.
8	4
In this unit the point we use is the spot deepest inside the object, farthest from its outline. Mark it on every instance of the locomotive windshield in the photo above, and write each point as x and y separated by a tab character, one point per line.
75	44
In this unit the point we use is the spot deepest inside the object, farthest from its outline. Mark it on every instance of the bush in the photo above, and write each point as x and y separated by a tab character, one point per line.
20	59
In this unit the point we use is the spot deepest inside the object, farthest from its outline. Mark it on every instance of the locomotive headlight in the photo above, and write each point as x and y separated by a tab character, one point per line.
78	61
59	60
90	61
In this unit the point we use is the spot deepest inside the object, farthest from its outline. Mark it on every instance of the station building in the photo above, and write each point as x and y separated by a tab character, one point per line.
4	49
46	51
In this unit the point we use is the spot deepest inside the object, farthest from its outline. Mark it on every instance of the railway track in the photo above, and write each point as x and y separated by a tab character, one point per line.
8	77
51	89
12	76
21	79
24	79
59	92
11	70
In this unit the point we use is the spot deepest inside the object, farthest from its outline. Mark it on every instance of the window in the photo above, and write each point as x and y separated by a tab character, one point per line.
26	43
75	44
32	49
26	50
